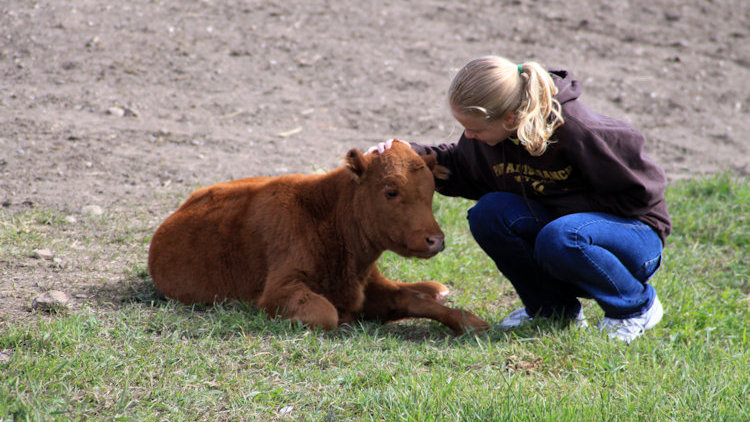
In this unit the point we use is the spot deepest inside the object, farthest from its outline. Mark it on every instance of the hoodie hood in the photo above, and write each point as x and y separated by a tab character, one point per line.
568	88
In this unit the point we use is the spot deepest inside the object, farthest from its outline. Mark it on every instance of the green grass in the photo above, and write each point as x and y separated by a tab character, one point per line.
155	360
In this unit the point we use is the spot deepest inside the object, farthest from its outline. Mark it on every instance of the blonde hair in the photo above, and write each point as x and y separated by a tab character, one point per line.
490	87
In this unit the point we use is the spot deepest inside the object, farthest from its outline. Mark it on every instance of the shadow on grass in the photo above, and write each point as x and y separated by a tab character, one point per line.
126	291
246	319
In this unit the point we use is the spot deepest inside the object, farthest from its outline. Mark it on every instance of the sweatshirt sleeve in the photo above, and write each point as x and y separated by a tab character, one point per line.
609	154
460	158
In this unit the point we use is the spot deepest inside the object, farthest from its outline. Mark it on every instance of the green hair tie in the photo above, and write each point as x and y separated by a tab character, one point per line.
520	70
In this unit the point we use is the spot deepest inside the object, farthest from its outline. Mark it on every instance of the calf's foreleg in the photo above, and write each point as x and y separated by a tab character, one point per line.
387	300
293	300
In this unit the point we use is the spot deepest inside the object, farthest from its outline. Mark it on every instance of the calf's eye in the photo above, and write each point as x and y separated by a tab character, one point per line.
391	193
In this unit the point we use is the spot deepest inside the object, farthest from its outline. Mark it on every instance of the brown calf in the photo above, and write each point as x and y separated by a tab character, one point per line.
305	246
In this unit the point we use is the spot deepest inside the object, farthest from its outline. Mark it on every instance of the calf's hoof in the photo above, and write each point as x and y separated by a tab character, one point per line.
470	322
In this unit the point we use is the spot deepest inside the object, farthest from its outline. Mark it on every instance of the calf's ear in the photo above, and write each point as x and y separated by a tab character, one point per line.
356	161
430	160
441	172
438	171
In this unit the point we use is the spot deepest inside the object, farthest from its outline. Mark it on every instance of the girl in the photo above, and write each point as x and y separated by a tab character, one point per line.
568	205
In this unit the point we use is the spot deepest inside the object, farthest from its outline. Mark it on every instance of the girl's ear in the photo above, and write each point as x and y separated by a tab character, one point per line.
509	120
356	162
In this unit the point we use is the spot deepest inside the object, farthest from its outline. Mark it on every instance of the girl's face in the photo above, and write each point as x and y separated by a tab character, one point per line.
490	132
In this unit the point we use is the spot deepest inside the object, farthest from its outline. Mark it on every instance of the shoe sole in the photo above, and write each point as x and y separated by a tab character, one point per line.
658	313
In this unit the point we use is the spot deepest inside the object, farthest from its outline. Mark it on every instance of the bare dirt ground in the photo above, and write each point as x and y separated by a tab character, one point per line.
131	105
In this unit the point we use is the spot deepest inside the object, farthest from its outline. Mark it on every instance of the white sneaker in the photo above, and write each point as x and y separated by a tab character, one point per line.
629	329
515	319
520	317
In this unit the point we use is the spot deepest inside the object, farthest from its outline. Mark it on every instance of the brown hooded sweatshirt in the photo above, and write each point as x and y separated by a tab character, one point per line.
595	164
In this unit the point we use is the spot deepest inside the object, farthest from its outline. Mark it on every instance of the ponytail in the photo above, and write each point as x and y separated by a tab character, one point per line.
539	113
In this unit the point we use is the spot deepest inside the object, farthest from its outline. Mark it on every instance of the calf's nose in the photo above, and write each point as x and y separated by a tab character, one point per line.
435	243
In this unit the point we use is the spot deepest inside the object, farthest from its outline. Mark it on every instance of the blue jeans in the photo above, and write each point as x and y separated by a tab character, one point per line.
552	262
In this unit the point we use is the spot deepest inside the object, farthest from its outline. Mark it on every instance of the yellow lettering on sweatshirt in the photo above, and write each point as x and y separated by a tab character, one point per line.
538	178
